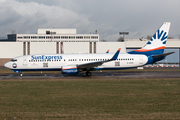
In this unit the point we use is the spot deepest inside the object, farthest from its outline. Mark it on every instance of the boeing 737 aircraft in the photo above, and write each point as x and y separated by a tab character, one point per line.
152	52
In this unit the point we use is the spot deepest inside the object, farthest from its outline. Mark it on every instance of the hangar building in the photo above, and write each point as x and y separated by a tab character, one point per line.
54	41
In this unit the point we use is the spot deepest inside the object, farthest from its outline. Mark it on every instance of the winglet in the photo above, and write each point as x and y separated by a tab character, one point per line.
107	51
116	54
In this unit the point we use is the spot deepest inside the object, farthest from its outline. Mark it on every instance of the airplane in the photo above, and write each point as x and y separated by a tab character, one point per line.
152	52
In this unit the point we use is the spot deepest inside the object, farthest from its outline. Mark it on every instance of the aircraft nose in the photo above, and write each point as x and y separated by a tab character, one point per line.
7	65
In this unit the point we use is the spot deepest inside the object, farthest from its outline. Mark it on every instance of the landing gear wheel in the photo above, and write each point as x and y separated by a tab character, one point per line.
88	74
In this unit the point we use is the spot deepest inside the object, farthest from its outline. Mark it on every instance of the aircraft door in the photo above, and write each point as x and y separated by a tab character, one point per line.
24	61
140	59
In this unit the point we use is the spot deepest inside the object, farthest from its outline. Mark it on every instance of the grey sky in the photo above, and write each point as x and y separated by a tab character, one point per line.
139	17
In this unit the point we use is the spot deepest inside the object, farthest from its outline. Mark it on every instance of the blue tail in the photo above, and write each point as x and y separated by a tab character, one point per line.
156	44
154	49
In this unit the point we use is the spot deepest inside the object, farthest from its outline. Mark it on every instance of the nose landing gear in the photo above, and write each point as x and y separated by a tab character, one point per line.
21	75
16	71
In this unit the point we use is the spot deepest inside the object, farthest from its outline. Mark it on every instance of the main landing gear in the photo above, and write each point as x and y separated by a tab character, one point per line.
88	74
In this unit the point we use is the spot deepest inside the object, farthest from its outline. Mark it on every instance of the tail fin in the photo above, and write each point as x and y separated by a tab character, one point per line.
107	51
156	44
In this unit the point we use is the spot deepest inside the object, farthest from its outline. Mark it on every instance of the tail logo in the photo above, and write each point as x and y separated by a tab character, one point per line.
14	65
159	36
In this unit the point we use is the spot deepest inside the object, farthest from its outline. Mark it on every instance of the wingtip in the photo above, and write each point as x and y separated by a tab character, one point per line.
167	23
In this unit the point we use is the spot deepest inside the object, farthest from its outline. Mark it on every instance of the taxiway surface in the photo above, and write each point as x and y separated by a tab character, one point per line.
134	74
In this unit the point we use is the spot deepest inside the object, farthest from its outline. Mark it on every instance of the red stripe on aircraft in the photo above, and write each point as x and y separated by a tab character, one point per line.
145	50
69	68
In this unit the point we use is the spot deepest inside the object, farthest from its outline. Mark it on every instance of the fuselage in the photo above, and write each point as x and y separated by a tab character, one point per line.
57	61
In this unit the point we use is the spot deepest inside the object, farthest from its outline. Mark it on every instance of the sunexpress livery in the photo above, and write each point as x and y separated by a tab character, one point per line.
152	52
46	57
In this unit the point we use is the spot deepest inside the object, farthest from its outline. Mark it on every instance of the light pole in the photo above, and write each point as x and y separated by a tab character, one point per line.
51	36
123	33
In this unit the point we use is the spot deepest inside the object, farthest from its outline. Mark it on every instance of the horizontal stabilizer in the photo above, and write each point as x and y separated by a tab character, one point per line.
160	56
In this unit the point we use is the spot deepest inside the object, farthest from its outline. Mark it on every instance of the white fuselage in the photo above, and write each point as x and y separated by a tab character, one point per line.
57	61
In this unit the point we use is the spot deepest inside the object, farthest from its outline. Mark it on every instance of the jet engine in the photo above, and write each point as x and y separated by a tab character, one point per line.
69	70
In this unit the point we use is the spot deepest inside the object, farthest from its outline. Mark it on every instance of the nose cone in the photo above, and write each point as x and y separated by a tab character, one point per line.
7	65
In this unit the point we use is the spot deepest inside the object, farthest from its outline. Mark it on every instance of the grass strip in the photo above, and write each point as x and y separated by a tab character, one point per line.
90	99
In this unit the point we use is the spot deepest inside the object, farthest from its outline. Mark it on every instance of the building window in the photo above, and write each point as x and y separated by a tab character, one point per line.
57	37
53	33
90	47
79	37
19	37
71	37
26	37
41	37
94	37
48	37
86	37
48	32
24	48
34	37
28	45
64	37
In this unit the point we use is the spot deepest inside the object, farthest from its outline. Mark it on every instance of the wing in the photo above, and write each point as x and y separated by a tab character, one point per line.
95	64
90	65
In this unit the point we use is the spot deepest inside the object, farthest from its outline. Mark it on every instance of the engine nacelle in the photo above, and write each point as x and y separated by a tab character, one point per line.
69	70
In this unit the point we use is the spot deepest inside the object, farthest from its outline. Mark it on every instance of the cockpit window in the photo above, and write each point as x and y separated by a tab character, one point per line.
14	60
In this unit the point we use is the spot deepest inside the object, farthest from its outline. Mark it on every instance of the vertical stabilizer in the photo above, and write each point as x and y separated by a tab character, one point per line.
156	44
